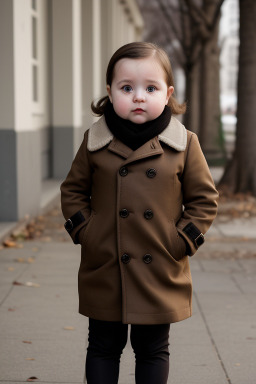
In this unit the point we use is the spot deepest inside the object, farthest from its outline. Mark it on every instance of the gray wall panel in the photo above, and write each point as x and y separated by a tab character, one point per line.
46	152
8	176
29	172
66	141
63	153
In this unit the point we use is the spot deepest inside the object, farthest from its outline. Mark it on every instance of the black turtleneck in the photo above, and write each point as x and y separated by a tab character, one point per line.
132	134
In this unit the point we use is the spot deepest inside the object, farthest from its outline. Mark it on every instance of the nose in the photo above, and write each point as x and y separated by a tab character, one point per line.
139	96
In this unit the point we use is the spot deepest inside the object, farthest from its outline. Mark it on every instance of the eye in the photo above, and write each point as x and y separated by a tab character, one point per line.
127	88
151	89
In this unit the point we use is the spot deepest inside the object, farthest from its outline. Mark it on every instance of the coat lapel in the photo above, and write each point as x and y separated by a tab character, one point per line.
99	135
175	136
119	148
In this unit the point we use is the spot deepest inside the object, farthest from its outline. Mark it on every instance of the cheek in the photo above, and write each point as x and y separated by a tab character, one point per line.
120	105
157	106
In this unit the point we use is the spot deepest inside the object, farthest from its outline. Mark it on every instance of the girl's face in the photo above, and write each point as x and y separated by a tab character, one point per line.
139	91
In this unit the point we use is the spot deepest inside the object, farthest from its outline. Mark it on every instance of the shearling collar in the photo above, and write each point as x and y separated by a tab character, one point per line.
174	135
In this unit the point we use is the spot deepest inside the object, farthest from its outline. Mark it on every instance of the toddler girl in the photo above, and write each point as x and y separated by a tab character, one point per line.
139	198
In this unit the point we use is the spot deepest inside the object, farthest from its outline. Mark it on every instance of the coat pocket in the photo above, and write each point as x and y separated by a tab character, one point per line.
84	232
178	246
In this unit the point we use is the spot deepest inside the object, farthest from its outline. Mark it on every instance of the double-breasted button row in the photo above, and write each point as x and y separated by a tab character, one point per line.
125	258
148	214
151	172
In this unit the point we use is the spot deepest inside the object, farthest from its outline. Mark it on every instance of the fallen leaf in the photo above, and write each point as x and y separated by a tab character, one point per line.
69	328
46	239
27	284
31	260
27	342
20	260
29	358
23	260
10	269
11	309
9	243
32	378
237	364
30	284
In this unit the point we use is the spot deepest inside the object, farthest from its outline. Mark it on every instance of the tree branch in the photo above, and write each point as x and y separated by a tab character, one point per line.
174	30
197	13
216	14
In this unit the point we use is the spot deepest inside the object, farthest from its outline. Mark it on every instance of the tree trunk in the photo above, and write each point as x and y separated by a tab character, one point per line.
209	132
243	164
191	118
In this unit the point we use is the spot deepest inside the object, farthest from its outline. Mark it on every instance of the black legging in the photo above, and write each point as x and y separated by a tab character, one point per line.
107	340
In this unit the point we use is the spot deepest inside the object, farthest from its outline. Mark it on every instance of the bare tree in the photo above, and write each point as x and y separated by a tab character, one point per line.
190	31
240	173
209	104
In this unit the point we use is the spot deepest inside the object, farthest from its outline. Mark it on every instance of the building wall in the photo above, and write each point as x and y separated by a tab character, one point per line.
53	66
26	113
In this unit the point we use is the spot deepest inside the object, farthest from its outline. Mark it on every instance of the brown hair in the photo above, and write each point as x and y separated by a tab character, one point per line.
139	50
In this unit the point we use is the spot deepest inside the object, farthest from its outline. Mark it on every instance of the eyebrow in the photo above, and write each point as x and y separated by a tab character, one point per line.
124	81
147	81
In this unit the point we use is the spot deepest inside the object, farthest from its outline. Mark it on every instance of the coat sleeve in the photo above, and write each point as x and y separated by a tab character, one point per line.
199	196
76	191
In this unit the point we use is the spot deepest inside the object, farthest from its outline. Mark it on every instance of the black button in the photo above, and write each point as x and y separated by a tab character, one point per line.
151	172
147	258
125	258
148	214
124	213
123	171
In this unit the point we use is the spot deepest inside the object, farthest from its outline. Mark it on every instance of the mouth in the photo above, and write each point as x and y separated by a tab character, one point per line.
138	110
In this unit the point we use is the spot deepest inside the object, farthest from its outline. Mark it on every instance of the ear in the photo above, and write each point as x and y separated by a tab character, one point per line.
170	91
109	93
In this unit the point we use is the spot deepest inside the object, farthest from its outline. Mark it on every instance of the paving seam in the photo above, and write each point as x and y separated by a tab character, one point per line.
241	265
18	277
38	381
211	338
12	286
232	277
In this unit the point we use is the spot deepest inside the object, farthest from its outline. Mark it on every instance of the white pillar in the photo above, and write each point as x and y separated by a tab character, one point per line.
96	49
20	121
87	63
66	85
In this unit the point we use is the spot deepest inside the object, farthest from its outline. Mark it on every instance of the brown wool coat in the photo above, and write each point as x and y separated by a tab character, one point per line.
136	205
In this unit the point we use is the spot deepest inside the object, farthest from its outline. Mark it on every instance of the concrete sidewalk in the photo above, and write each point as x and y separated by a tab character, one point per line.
43	336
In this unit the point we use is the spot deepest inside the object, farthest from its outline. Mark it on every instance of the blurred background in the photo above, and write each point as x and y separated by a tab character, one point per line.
53	61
